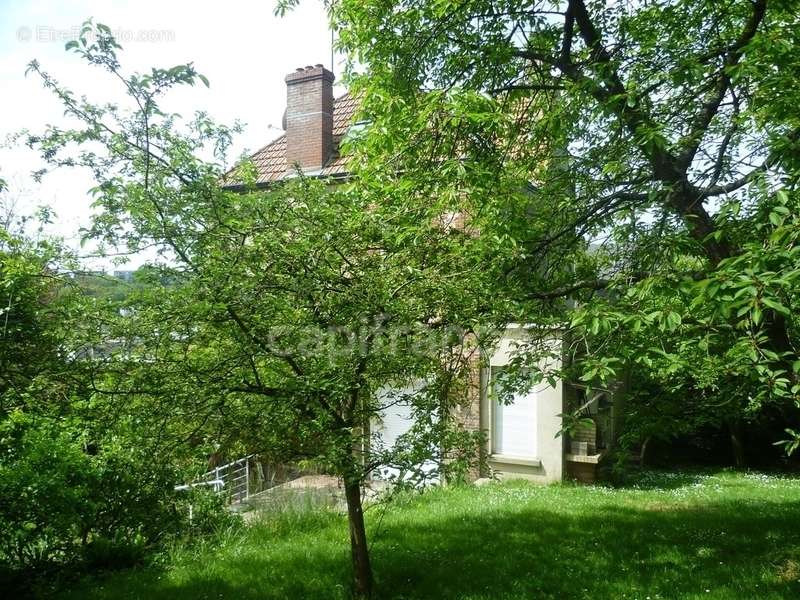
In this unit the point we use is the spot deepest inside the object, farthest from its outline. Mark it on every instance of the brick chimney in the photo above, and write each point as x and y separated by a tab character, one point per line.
309	117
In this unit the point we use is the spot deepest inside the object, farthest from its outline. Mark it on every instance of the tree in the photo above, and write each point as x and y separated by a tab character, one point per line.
71	493
639	159
287	310
32	296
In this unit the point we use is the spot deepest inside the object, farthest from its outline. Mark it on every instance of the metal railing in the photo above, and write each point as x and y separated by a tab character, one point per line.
235	478
217	484
237	481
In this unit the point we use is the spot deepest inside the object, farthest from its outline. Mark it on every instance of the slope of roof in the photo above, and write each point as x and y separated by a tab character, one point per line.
270	161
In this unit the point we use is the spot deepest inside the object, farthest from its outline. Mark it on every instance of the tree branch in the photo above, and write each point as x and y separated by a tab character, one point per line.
524	87
289	359
565	291
710	106
569	29
771	161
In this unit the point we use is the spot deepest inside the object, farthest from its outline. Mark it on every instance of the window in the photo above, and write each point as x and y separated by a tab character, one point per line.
514	423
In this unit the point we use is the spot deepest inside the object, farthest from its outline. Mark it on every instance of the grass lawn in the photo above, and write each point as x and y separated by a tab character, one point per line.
714	535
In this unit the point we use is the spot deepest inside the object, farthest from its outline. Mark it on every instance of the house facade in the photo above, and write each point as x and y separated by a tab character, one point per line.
523	438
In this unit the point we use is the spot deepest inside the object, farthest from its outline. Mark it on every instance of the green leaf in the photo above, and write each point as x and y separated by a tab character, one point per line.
783	210
775	218
756	315
673	320
776	306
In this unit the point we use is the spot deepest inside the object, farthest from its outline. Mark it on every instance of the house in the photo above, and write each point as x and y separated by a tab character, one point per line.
522	437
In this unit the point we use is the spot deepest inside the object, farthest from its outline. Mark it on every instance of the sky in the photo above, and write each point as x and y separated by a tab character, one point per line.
241	46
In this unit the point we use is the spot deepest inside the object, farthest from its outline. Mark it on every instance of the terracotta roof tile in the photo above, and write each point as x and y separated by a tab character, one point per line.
270	161
344	108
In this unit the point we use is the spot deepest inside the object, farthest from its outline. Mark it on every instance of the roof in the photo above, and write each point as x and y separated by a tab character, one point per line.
270	161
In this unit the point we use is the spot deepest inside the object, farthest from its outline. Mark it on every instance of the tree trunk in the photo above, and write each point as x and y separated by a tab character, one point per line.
643	451
362	570
736	444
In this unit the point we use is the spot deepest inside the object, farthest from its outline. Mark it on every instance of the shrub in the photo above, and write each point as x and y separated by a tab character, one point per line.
61	505
205	512
44	494
117	553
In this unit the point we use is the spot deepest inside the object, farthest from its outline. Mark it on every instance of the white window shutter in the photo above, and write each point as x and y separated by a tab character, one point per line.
515	427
